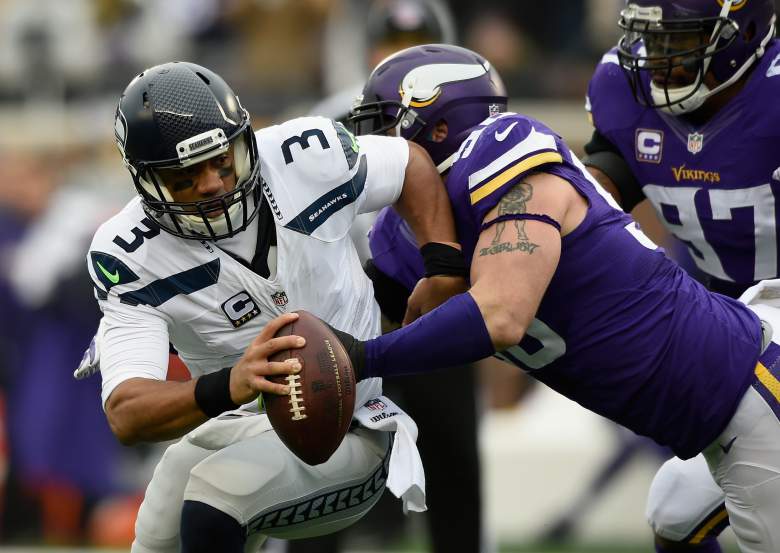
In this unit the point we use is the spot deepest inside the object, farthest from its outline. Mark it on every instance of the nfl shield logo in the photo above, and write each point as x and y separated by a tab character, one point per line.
280	298
695	142
493	109
375	404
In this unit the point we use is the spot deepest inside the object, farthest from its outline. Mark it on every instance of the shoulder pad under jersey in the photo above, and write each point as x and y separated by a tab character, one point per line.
500	152
610	102
132	259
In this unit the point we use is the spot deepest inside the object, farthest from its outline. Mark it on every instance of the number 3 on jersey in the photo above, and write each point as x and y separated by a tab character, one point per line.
303	141
348	142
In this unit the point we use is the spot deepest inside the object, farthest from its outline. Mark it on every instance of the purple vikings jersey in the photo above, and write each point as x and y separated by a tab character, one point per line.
714	185
394	249
621	329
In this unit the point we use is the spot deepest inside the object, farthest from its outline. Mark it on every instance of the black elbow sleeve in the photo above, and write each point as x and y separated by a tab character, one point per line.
602	154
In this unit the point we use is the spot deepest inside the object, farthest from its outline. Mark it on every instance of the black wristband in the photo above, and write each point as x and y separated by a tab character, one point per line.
356	349
212	393
441	259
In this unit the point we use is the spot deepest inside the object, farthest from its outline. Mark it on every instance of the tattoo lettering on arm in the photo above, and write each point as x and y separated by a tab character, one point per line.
515	201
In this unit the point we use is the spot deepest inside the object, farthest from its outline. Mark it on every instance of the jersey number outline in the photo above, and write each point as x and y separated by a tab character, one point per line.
139	235
553	344
303	139
553	347
722	202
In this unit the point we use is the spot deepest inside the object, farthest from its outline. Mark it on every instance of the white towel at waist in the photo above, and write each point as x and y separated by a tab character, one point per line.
406	476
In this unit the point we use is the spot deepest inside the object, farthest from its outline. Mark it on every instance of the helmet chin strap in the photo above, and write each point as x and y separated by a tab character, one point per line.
406	100
699	92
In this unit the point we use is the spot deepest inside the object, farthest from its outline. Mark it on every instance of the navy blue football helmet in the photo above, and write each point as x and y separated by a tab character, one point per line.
175	115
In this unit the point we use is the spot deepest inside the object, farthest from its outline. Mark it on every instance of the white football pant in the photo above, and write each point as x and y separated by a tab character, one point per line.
240	466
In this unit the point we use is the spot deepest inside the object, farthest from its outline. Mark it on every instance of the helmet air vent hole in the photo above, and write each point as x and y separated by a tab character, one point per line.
145	98
203	77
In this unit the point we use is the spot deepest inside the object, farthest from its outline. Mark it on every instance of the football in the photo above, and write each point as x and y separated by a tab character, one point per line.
314	418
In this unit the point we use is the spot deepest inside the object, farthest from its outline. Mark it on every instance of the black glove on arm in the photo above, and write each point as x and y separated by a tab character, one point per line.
356	350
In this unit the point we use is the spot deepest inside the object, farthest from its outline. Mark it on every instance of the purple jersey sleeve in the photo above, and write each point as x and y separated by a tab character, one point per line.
610	101
499	155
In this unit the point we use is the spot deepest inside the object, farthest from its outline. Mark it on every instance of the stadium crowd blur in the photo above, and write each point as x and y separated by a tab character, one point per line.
65	478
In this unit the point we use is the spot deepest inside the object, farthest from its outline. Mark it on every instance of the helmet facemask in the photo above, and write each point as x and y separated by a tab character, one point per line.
213	218
667	61
385	117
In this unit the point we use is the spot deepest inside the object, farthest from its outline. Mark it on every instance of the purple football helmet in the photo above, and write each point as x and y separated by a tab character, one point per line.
411	91
668	46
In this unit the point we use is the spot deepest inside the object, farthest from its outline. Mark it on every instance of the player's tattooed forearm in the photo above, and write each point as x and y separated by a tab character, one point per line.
514	201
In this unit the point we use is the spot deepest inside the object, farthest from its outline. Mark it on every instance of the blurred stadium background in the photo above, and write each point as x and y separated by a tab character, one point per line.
65	480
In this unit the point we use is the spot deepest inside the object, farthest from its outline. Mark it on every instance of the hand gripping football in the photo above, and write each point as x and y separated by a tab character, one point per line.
314	418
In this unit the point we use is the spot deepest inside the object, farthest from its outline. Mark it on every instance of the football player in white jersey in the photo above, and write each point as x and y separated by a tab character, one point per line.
232	230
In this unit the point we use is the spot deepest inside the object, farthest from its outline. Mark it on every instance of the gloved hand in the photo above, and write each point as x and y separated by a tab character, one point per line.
90	362
356	349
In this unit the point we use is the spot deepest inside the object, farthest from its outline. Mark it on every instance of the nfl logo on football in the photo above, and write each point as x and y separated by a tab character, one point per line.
375	405
695	142
279	298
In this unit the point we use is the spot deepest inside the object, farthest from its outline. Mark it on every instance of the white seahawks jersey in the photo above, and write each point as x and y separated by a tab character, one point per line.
154	287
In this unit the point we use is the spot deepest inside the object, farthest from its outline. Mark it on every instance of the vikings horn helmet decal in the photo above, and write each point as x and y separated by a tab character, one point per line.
422	85
410	92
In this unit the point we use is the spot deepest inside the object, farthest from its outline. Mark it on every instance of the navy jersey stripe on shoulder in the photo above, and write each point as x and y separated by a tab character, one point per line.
110	271
186	282
308	220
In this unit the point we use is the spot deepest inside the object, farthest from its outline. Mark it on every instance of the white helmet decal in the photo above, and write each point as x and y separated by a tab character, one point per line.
422	85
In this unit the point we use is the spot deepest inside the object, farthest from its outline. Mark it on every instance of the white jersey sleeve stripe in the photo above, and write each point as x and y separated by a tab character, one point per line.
523	166
533	142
